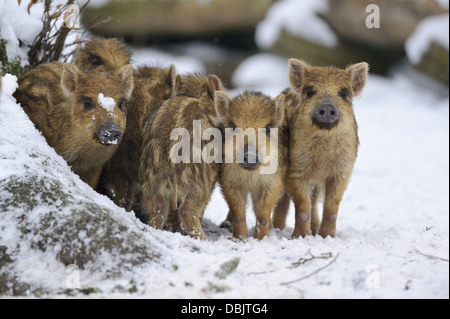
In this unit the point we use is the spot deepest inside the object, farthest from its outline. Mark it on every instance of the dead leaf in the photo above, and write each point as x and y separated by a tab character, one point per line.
32	3
67	14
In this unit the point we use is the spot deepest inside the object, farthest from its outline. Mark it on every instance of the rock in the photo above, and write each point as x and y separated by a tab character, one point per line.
54	226
380	47
398	19
435	63
154	19
428	48
341	56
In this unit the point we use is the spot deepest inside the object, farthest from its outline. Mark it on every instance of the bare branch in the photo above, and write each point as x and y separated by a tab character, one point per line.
50	42
430	256
303	260
311	274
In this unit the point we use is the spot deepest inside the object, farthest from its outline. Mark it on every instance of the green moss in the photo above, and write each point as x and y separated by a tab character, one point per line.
52	218
216	288
27	193
227	268
10	66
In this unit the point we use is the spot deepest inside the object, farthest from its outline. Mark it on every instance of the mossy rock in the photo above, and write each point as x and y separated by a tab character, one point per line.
435	63
46	218
344	54
155	19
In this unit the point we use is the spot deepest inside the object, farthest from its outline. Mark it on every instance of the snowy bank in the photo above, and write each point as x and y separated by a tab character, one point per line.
433	29
300	18
428	48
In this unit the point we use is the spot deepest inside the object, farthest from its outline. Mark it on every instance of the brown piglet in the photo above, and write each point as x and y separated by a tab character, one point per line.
256	157
176	188
102	54
81	114
323	143
120	177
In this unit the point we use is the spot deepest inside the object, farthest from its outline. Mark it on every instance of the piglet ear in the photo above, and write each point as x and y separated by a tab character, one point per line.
358	73
297	70
215	84
279	107
177	84
78	55
127	76
222	102
172	76
69	79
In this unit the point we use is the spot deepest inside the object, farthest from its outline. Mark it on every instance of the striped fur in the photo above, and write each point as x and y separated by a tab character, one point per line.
54	96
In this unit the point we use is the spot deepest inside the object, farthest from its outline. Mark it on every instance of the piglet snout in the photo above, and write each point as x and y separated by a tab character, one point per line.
326	113
110	134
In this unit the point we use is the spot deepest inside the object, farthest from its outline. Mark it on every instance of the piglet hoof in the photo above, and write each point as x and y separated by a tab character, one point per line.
240	235
260	234
198	235
301	233
325	232
279	225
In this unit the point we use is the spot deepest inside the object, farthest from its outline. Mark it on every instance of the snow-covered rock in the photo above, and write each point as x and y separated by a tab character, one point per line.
50	219
299	18
428	47
325	32
17	25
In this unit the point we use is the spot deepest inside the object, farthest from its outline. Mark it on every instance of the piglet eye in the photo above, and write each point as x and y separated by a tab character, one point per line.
122	104
88	105
96	61
309	91
344	93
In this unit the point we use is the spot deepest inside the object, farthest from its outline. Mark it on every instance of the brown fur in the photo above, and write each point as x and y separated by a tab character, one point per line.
120	177
321	160
174	192
56	96
254	111
101	54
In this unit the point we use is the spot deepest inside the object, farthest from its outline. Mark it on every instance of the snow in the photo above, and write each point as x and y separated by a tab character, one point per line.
17	25
183	63
298	17
393	228
432	29
106	102
271	78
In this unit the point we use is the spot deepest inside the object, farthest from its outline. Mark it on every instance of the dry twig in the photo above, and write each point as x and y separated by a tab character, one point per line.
311	274
303	260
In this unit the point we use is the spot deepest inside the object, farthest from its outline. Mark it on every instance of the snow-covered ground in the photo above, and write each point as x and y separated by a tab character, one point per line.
393	227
